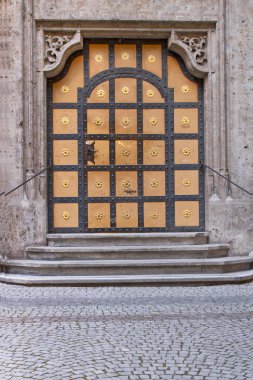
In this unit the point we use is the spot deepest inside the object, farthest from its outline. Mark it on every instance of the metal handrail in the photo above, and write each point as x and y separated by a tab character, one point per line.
226	178
22	184
201	165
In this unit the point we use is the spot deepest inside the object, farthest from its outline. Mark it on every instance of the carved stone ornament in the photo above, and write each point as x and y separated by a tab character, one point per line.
55	45
193	49
197	45
58	48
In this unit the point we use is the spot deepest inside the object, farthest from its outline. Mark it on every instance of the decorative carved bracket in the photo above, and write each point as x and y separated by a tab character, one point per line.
193	49
58	49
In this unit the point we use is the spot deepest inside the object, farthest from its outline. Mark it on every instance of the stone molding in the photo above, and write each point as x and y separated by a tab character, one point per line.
192	47
58	49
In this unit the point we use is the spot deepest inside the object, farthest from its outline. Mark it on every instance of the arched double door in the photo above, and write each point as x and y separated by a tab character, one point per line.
125	135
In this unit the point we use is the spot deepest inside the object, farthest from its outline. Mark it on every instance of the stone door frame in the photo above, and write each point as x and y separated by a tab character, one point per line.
196	43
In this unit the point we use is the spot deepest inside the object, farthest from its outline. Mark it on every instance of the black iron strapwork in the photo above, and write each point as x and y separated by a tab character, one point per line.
22	184
89	144
226	178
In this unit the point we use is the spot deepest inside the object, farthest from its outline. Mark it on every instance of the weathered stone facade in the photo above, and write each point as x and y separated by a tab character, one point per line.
228	101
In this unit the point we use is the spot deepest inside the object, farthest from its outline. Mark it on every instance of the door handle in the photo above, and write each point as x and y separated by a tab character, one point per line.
89	152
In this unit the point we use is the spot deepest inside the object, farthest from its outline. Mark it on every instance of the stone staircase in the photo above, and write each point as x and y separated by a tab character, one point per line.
172	258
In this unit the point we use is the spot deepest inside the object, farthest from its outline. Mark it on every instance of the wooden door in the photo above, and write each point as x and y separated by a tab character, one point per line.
126	137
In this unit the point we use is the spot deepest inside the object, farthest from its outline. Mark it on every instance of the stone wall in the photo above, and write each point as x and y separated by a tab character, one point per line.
229	132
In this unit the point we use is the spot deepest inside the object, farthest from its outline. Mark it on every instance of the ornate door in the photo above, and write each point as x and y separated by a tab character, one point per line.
125	123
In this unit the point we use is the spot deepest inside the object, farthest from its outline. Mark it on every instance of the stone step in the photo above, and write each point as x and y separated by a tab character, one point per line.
102	268
168	279
112	239
128	252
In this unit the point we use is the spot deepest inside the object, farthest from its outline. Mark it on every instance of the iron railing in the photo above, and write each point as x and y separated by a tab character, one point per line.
201	166
28	180
226	178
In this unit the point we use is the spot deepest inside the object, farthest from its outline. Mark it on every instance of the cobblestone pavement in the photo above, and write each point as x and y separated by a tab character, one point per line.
126	333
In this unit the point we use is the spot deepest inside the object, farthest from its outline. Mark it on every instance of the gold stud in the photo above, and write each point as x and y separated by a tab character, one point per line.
151	58
154	152
65	120
98	183
126	215
150	93
126	183
65	152
98	58
154	183
99	215
98	121
186	151
155	215
186	182
65	89
65	215
125	56
185	89
185	121
125	90
126	153
187	213
100	93
153	121
125	121
65	183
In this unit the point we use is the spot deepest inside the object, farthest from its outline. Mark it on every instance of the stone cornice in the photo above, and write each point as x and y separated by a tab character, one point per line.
190	45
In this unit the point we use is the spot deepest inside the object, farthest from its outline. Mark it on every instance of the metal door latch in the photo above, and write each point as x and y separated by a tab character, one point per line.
89	153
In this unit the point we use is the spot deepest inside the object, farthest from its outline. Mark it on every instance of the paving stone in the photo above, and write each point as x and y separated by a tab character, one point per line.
126	333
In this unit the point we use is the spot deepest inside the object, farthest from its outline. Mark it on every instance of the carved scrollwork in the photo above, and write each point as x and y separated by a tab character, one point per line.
55	45
193	49
197	46
58	48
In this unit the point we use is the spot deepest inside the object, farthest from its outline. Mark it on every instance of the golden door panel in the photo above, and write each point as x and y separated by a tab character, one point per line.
126	152
65	152
126	215
125	121
154	214
152	59
64	121
186	120
153	121
184	89
126	184
66	215
65	90
97	121
100	94
186	213
125	90
153	152
98	58
125	55
101	155
98	184
151	94
186	182
98	215
65	184
153	183
186	152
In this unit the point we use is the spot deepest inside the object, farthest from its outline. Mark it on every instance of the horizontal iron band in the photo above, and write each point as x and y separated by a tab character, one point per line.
116	199
110	167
